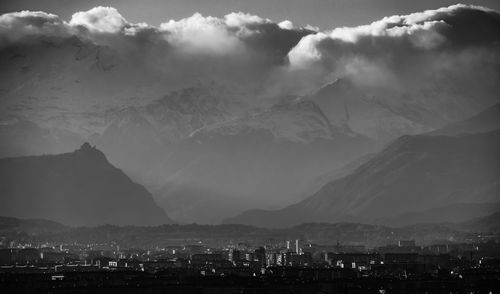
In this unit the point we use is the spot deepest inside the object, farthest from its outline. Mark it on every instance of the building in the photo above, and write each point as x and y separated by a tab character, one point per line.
406	243
260	256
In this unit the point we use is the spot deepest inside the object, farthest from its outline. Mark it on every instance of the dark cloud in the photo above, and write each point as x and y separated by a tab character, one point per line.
397	40
405	53
22	26
449	56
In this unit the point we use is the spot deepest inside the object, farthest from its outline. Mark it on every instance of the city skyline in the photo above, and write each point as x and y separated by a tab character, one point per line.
231	146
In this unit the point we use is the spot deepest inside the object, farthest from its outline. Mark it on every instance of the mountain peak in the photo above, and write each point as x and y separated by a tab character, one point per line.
86	147
90	151
77	188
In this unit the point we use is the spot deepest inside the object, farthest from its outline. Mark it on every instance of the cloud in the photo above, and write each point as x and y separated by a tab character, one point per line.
248	42
306	52
423	52
407	51
459	24
286	25
19	26
242	20
199	34
99	19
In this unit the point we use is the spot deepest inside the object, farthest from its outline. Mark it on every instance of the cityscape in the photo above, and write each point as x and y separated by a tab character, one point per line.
235	264
248	147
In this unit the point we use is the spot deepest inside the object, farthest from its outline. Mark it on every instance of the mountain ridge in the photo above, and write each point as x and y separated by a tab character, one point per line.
433	165
319	233
264	159
76	188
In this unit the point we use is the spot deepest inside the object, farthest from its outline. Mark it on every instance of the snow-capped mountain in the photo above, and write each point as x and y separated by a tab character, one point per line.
266	159
296	121
413	176
139	138
199	144
350	107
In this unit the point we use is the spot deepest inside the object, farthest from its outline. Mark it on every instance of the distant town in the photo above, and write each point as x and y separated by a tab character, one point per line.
403	267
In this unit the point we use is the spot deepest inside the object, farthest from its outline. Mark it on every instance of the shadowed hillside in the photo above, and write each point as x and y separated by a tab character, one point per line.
77	188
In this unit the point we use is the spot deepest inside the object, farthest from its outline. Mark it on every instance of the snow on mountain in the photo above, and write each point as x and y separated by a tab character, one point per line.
348	106
266	159
296	121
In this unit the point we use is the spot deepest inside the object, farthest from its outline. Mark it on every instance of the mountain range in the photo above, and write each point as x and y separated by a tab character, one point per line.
348	106
260	160
208	150
39	231
406	181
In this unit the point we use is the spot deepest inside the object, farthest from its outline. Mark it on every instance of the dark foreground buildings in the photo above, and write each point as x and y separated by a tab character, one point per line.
403	268
277	280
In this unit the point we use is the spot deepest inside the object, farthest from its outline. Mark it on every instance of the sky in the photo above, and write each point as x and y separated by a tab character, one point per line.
258	50
325	14
444	53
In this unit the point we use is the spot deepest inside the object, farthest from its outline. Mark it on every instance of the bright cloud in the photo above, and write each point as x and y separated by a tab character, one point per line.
199	34
408	52
99	19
